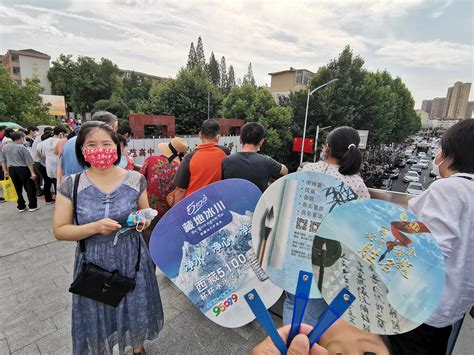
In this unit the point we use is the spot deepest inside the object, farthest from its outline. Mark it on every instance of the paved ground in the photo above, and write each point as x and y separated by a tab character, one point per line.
35	306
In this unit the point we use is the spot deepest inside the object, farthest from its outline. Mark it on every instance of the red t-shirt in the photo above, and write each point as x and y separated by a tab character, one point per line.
201	167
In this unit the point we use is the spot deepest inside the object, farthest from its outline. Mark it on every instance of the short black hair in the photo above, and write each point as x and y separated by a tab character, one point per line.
457	143
8	132
124	129
86	129
104	116
48	129
58	130
2	128
17	135
210	128
343	145
32	128
252	133
121	139
46	135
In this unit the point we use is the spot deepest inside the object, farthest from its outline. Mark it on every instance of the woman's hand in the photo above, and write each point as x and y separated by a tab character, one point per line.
106	226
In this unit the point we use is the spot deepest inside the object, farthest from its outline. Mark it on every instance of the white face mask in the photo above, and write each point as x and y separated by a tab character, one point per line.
436	166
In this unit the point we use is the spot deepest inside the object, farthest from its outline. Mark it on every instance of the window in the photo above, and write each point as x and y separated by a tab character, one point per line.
15	58
16	71
302	77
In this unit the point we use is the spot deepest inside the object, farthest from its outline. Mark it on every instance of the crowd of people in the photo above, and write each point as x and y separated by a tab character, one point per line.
96	185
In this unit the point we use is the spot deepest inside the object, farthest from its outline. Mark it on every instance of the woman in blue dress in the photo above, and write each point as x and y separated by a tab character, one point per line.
106	195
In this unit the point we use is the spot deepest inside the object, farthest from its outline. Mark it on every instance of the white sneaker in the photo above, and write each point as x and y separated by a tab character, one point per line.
34	209
23	210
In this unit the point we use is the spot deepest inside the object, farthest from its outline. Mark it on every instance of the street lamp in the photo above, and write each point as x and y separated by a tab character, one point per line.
316	140
306	115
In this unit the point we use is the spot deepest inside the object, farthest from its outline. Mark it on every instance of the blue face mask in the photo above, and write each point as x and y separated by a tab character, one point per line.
123	162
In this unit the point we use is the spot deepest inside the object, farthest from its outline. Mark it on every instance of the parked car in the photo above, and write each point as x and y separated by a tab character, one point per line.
401	163
421	155
414	188
408	152
394	173
416	167
412	160
432	173
424	163
411	176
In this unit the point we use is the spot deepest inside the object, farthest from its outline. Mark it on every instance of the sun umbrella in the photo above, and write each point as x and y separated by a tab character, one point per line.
11	124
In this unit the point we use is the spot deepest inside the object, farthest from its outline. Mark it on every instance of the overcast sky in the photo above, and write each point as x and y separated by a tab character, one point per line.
428	43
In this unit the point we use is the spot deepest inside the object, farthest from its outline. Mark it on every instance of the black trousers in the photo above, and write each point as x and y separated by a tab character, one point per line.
39	180
48	182
21	178
424	340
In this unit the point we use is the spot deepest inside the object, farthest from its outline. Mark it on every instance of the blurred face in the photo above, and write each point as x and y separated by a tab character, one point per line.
114	126
344	339
98	138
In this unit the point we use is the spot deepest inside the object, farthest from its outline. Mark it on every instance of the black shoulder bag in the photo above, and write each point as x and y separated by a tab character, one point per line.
93	281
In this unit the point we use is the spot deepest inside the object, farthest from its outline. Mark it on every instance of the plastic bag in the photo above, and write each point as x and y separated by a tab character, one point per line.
9	192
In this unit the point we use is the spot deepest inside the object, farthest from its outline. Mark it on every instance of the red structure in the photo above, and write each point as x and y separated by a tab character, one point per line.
138	123
231	126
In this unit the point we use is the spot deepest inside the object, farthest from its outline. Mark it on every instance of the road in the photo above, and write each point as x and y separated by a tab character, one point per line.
400	186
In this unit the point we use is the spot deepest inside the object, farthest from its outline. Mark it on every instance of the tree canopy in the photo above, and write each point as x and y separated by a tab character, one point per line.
258	105
185	97
22	104
83	82
361	99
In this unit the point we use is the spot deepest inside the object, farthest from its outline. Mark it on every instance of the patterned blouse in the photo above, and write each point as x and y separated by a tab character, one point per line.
159	173
355	182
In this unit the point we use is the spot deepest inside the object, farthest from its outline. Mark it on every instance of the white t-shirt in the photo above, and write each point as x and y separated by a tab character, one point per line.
48	158
447	209
354	181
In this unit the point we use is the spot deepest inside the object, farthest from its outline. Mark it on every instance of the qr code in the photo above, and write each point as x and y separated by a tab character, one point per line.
302	224
313	226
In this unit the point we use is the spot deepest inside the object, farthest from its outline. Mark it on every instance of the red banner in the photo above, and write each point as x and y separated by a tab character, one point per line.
308	145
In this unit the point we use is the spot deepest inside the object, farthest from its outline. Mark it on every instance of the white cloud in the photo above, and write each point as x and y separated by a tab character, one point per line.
439	12
154	36
433	54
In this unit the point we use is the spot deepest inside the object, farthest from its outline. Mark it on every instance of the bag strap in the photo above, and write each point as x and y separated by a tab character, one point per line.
82	243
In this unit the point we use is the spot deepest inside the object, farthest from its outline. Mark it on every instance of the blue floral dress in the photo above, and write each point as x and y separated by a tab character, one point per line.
97	327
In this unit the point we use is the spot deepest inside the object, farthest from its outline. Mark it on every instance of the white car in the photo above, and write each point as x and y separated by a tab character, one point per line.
424	163
414	188
408	152
421	155
411	176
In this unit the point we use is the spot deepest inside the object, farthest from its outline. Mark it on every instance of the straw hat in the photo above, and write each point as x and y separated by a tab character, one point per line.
177	147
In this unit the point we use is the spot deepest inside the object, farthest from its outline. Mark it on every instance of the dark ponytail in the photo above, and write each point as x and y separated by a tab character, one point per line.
343	143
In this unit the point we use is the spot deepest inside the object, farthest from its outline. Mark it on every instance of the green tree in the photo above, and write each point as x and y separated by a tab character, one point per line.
257	105
223	85
248	78
200	57
213	70
83	82
61	75
185	97
192	62
231	78
22	104
360	99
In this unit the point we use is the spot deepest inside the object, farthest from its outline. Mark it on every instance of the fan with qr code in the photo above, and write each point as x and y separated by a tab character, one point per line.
286	221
